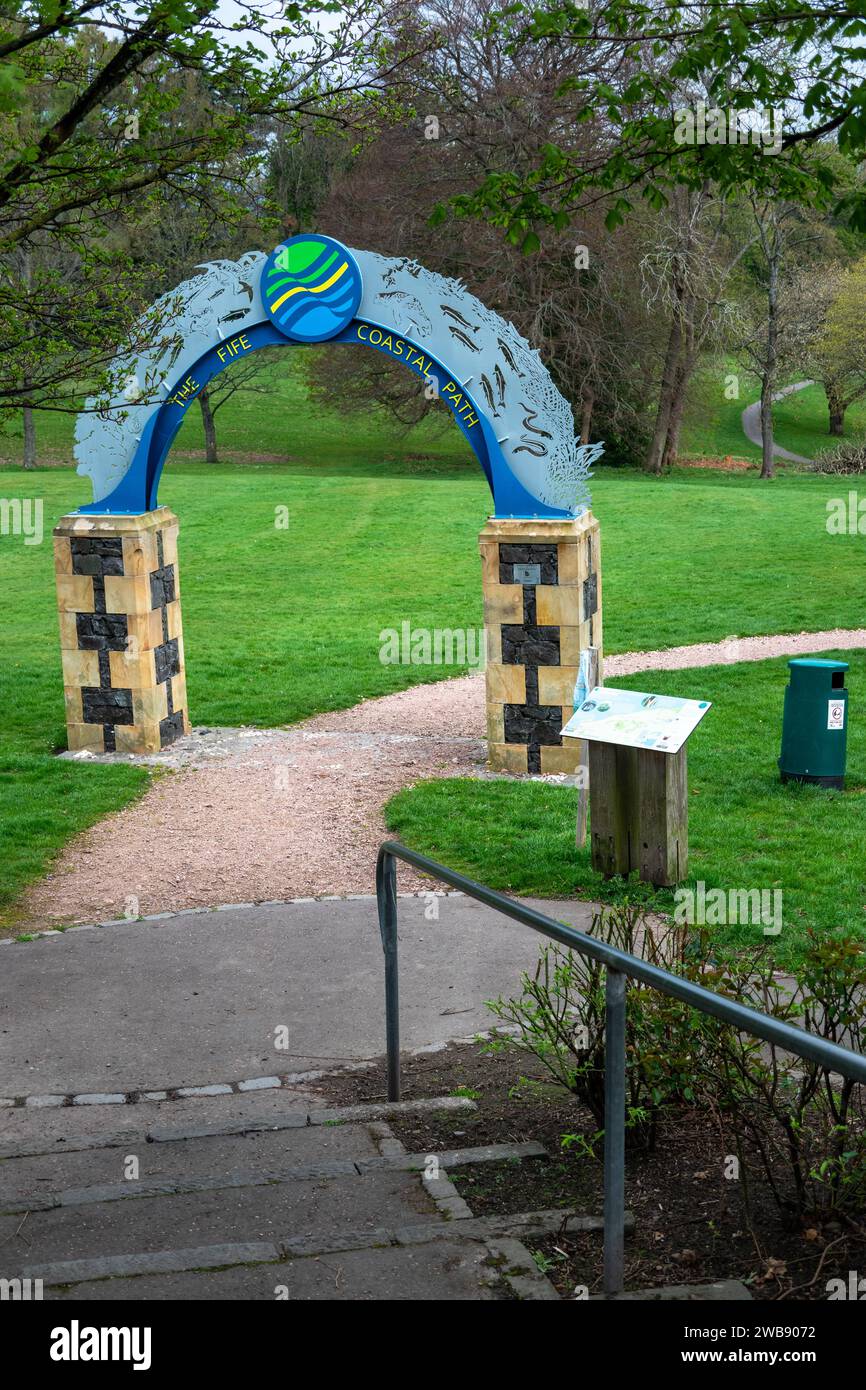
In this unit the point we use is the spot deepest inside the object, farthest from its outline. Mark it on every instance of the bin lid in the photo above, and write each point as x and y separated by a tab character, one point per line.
818	662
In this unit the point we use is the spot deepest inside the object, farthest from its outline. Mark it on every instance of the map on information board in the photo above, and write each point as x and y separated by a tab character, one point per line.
636	719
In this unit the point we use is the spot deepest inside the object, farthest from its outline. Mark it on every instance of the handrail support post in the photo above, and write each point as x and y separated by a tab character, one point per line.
386	894
614	1131
620	966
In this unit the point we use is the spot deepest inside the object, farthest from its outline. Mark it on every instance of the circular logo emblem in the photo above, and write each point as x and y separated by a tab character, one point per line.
311	288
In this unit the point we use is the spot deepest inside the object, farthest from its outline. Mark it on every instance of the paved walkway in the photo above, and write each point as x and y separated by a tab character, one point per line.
751	419
250	995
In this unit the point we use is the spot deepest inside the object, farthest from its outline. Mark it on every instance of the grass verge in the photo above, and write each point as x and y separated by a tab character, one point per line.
746	830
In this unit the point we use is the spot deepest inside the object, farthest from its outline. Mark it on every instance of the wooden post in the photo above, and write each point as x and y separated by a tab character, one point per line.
639	813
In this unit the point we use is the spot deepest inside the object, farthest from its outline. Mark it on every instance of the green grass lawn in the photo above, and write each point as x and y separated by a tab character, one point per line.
802	422
272	418
280	624
711	424
746	830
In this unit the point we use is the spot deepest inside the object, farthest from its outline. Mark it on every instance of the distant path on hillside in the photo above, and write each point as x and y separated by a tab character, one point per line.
752	423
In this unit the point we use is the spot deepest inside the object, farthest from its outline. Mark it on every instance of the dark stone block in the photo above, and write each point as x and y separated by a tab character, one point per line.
162	586
99	604
106	706
108	738
533	724
167	661
530	646
102	631
543	555
590	596
97	556
170	728
87	564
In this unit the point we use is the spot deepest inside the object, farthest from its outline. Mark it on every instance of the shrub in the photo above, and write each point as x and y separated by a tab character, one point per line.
848	457
795	1127
559	1019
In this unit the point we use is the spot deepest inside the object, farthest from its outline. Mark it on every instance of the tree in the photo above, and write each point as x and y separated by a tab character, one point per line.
791	75
838	349
782	309
89	98
477	106
22	264
693	252
239	377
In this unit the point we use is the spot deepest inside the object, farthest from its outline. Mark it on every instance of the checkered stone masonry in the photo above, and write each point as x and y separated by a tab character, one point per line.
120	631
542	607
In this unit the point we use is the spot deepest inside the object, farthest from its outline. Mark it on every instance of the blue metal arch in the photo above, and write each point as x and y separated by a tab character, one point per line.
138	488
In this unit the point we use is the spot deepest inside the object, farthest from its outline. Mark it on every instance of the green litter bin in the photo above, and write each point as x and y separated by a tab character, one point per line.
815	723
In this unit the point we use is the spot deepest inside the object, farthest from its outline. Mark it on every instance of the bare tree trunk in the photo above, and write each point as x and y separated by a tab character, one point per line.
29	432
28	420
207	417
672	443
678	402
768	376
768	465
653	463
836	406
587	402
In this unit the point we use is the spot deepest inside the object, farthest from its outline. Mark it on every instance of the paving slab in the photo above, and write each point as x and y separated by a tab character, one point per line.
445	1271
320	1208
725	1291
262	1151
38	1131
209	999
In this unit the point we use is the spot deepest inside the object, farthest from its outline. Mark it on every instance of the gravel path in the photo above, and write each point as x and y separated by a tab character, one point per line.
246	815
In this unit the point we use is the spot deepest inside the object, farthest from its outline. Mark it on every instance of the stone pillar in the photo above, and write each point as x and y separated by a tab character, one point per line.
120	631
542	607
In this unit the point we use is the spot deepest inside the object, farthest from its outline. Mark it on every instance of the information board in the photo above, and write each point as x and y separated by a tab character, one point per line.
636	719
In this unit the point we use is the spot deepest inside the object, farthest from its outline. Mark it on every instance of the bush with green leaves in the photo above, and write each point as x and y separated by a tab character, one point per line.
796	1128
559	1019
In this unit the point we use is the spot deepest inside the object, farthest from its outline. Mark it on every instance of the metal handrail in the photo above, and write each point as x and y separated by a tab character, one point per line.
619	964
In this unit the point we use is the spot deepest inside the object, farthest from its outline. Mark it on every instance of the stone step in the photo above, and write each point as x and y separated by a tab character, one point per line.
500	1236
212	1164
724	1291
45	1177
306	1202
320	1208
447	1270
69	1129
31	1130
